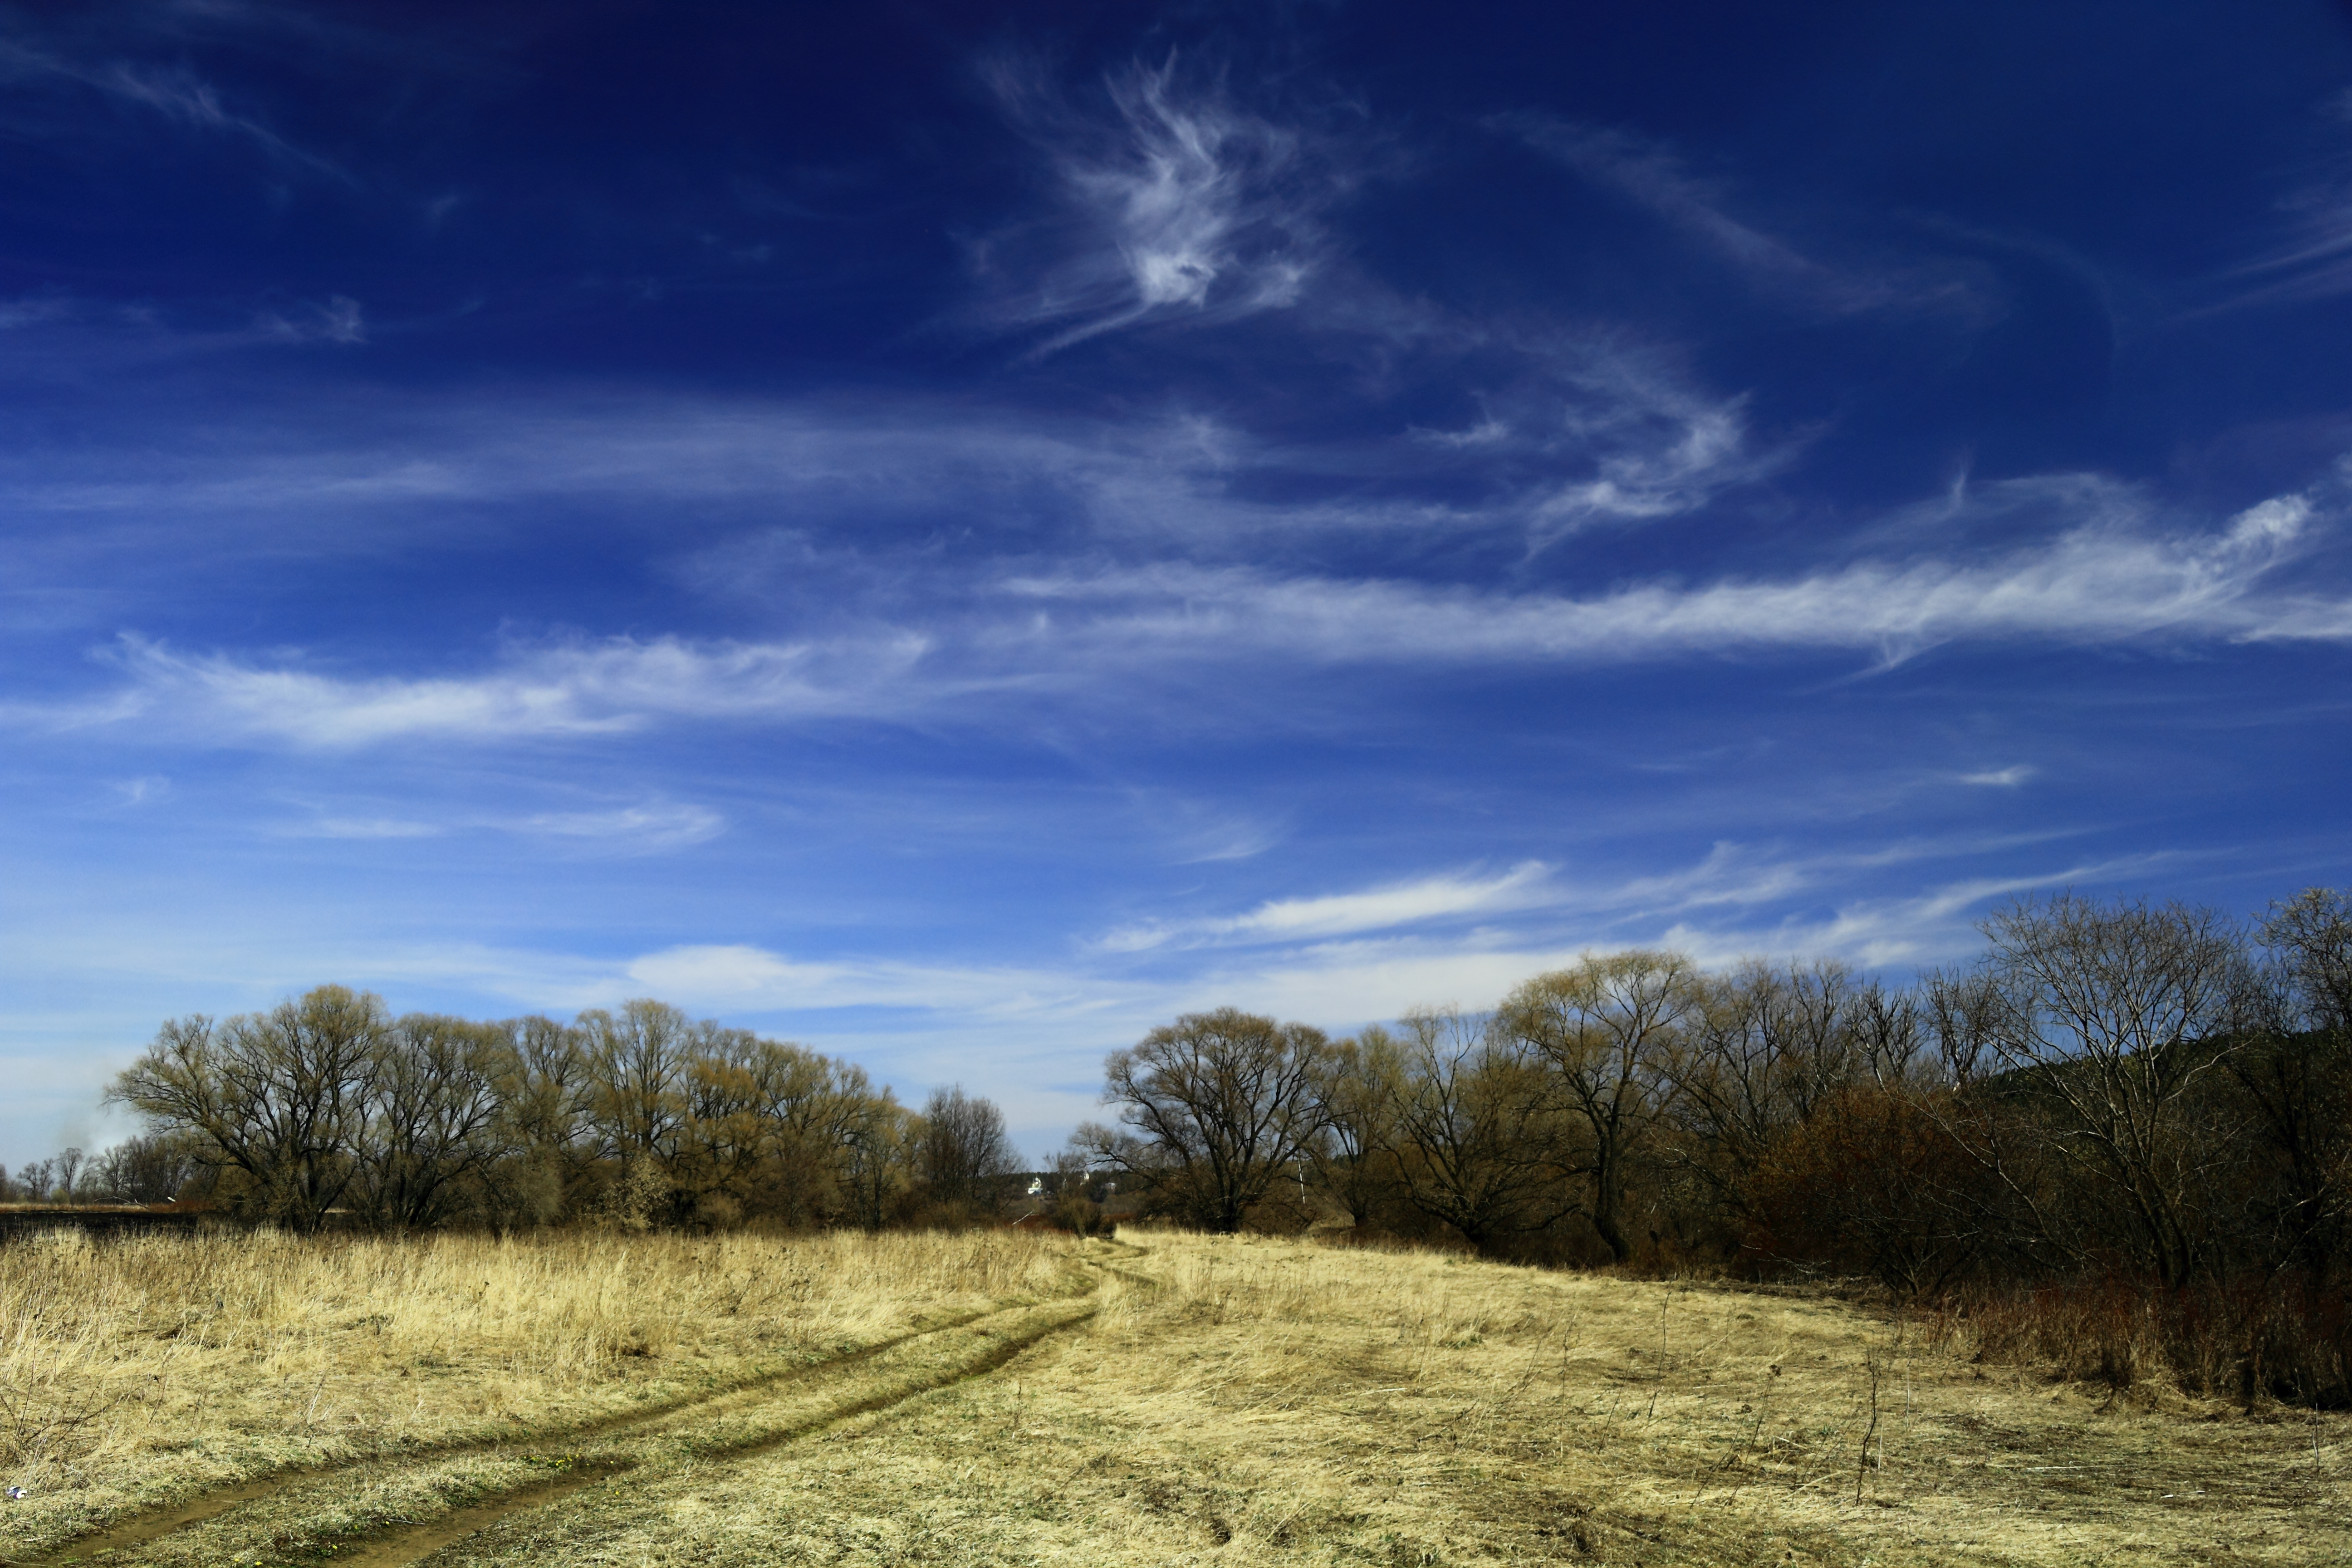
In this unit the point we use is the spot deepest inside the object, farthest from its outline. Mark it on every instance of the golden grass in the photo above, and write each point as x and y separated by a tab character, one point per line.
1264	1401
150	1367
1279	1403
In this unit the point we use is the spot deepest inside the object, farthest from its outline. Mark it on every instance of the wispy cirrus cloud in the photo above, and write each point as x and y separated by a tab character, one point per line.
2307	255
339	320
643	829
573	690
1380	970
1597	433
1356	966
1177	204
742	975
1934	925
1534	908
659	826
148	790
2090	585
370	828
1413	903
1657	448
1651	174
1072	635
174	93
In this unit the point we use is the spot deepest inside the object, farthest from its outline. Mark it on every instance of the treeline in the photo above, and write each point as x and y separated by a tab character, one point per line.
327	1110
2136	1117
2113	1096
136	1170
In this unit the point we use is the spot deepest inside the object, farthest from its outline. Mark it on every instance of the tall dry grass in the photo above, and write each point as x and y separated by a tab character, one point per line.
1721	1419
123	1362
1235	1398
2254	1340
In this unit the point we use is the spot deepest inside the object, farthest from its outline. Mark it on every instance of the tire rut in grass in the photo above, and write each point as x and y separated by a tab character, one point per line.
401	1545
151	1524
154	1524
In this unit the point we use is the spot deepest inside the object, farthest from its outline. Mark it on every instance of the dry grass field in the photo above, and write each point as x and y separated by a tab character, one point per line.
1000	1398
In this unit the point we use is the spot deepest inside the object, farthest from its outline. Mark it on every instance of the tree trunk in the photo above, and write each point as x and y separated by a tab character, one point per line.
1609	1203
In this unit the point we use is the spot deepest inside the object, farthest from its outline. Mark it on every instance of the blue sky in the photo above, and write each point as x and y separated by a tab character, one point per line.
954	533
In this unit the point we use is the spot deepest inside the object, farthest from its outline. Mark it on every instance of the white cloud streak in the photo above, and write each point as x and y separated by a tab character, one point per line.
1421	902
744	976
569	691
1598	435
146	791
1660	450
367	827
655	827
643	828
2311	255
1180	205
1338	928
1074	637
1339	983
2091	585
1931	926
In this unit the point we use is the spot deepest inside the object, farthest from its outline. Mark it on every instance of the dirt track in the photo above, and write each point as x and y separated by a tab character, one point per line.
383	1513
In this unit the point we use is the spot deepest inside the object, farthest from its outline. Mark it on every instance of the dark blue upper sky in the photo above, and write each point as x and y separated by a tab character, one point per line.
955	533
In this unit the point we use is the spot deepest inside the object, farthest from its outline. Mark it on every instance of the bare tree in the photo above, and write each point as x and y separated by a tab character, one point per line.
1612	1028
636	1063
435	1126
280	1096
1891	1034
1972	1098
724	1142
1871	1180
1477	1129
1758	1057
2113	1020
2309	938
2295	1071
1771	1045
69	1167
821	1113
33	1179
1220	1106
962	1155
149	1169
544	1125
877	1165
1352	1153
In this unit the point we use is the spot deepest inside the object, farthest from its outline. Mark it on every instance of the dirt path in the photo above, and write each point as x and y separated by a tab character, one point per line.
415	1543
382	1512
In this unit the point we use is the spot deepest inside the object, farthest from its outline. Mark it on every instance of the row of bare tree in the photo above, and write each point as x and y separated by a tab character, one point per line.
144	1170
2143	1089
2115	1097
57	1178
327	1106
2148	1090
